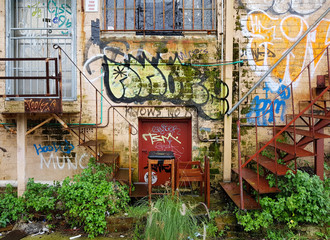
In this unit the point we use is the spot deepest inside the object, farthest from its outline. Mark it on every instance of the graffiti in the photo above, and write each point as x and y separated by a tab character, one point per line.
154	177
150	112
56	163
42	105
259	105
159	168
157	112
159	138
65	147
164	128
262	55
301	7
270	37
37	10
137	76
140	78
190	54
62	14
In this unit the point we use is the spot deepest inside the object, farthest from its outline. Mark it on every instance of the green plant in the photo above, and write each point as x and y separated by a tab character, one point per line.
211	227
303	199
11	207
89	196
170	218
40	198
139	210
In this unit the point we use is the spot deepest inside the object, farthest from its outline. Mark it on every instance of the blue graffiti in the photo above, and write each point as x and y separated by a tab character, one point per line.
66	147
62	14
259	106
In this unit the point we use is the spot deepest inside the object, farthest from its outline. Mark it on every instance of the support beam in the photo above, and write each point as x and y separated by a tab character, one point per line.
229	36
21	153
39	125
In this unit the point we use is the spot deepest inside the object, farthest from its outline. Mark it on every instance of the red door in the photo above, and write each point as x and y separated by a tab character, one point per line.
163	135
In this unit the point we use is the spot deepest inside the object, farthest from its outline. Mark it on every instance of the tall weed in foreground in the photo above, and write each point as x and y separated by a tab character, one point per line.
169	218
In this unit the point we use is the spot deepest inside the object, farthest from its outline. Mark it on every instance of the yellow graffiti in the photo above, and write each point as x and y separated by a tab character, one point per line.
271	37
159	138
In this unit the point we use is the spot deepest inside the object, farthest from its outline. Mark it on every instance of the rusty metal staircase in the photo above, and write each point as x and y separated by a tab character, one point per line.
305	131
88	136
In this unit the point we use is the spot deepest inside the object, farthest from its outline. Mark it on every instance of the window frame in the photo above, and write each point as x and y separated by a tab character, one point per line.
10	49
176	4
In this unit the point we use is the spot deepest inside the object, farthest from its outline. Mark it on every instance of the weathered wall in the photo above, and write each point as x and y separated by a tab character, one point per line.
163	73
173	77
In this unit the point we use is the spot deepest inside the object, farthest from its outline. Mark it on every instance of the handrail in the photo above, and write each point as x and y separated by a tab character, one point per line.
275	136
278	61
272	104
56	46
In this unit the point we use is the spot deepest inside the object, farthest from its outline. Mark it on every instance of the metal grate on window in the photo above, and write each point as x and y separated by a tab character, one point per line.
160	16
34	26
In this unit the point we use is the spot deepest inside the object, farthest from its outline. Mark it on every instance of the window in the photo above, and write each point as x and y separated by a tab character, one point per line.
33	27
160	16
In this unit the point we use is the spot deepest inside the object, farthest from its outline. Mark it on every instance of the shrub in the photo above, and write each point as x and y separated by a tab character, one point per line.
41	198
89	196
303	199
11	207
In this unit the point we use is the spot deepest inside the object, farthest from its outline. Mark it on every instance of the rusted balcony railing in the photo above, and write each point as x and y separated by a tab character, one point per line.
48	77
40	88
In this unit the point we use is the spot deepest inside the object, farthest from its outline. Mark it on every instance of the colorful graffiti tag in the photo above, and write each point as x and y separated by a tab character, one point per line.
260	105
272	27
138	76
270	37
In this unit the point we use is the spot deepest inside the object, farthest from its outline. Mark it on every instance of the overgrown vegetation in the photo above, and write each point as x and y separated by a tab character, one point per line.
89	196
11	207
84	200
303	199
170	218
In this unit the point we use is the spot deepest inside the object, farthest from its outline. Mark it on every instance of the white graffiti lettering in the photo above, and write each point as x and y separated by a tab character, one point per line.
54	162
159	138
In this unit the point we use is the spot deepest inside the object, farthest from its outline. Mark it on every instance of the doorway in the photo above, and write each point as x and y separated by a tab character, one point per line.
163	135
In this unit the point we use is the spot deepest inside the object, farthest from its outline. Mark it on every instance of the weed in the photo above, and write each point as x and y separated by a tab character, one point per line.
170	218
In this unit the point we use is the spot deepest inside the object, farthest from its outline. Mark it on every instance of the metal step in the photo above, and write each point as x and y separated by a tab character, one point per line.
109	158
305	133
316	116
140	189
91	143
232	190
269	164
122	175
299	152
251	178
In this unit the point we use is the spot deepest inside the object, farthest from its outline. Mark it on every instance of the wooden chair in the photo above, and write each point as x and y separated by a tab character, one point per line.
193	172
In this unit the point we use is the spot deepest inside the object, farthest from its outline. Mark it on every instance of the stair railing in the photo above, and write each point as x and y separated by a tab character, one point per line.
285	54
293	121
97	124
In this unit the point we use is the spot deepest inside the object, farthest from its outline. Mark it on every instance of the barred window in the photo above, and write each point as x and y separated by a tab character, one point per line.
160	17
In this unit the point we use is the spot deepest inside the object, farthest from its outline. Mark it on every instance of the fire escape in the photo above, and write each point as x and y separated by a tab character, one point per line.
304	126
